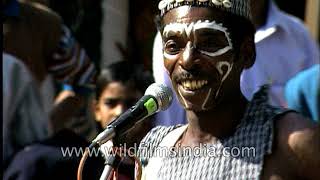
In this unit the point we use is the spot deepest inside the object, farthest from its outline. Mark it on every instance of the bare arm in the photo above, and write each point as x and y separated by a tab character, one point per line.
300	139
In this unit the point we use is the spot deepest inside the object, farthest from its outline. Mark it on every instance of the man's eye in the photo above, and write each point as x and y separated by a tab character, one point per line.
171	47
211	44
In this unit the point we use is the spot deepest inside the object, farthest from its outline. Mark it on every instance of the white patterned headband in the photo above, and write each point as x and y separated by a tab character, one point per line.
237	7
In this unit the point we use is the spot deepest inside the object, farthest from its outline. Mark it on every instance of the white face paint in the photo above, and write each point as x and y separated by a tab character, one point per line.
219	67
213	25
184	101
206	100
178	29
175	29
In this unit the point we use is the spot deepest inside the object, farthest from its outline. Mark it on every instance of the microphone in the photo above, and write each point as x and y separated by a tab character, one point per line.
157	97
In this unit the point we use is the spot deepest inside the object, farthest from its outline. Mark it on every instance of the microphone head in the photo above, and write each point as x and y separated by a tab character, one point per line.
162	93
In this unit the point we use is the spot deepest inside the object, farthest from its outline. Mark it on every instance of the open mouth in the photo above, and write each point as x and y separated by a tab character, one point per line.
193	85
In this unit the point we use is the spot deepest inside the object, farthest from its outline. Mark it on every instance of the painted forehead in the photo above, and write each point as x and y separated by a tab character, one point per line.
177	28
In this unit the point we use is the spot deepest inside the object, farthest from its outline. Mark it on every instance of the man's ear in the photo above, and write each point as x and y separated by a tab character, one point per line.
248	52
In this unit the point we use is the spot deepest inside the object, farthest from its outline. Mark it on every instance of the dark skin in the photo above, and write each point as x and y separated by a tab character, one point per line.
259	11
296	149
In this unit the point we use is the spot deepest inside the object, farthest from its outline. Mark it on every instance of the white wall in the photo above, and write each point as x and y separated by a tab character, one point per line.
114	29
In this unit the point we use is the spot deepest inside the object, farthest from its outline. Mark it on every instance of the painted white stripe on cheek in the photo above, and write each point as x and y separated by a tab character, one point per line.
206	100
184	101
219	68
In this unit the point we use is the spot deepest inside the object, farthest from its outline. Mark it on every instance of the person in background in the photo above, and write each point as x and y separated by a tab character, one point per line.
37	36
303	93
56	157
54	50
30	150
72	111
206	46
119	87
24	119
54	55
284	47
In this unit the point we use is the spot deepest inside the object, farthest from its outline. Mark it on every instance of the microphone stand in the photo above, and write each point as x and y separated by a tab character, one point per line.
112	158
112	162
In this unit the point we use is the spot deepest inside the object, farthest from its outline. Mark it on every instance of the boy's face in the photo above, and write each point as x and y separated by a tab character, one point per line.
114	100
199	56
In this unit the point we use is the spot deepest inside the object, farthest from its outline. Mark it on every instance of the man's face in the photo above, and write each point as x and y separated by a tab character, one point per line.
199	56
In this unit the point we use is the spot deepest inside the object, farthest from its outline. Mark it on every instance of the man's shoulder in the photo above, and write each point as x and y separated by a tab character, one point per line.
293	122
294	25
298	139
156	134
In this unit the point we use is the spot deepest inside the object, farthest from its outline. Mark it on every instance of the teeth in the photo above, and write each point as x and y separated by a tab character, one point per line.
194	84
199	84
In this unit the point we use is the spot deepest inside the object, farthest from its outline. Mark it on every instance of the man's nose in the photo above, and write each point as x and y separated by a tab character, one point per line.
189	58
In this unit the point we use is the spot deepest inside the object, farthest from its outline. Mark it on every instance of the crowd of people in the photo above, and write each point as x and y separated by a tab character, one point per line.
245	75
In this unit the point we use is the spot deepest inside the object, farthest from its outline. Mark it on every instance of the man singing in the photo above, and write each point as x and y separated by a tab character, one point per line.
206	46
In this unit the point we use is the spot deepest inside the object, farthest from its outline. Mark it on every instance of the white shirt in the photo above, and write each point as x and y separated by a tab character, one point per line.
284	48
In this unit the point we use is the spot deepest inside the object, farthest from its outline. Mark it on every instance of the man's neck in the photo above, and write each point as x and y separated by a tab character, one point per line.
208	126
